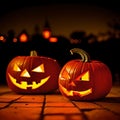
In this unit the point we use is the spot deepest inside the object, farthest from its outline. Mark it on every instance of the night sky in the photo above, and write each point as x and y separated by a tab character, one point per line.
64	16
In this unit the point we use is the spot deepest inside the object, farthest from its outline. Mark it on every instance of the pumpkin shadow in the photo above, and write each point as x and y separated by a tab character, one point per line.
109	100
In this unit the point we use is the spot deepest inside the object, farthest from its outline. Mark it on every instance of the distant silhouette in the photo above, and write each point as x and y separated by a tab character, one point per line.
104	47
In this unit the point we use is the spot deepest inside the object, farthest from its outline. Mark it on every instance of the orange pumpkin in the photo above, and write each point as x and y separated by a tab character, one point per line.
84	79
32	74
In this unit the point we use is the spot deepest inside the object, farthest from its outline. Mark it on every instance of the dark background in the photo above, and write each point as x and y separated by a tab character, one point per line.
107	51
6	6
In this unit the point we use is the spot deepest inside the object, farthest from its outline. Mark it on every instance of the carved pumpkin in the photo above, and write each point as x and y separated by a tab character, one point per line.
84	79
32	74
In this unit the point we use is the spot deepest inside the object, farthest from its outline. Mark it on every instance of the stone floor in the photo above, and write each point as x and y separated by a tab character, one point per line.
56	107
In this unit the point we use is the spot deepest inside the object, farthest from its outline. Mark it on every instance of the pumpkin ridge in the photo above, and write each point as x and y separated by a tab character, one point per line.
80	66
75	68
91	67
84	75
71	68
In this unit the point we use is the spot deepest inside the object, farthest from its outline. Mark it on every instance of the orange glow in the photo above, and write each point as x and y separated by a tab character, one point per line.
39	69
53	39
79	93
25	73
16	68
84	77
46	34
2	38
14	39
23	38
24	85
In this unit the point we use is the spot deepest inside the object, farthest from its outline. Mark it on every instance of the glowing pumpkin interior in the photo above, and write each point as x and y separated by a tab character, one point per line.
33	74
72	87
81	79
25	73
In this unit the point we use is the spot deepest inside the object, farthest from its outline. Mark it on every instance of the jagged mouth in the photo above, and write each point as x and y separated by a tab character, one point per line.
78	93
24	85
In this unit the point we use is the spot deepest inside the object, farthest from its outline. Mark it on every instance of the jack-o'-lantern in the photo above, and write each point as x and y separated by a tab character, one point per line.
33	74
84	79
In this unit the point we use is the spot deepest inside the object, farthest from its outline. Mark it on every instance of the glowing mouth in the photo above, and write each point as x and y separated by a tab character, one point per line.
24	85
79	93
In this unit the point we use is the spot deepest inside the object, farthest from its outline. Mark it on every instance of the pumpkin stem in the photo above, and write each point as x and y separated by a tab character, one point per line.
84	55
33	53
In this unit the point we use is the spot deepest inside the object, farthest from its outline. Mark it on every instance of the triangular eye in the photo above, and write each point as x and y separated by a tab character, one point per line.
85	76
25	74
40	68
16	68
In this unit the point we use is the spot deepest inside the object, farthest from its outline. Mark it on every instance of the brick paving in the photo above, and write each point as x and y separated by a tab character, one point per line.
57	107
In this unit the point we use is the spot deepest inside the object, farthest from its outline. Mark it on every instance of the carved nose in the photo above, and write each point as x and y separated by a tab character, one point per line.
25	73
